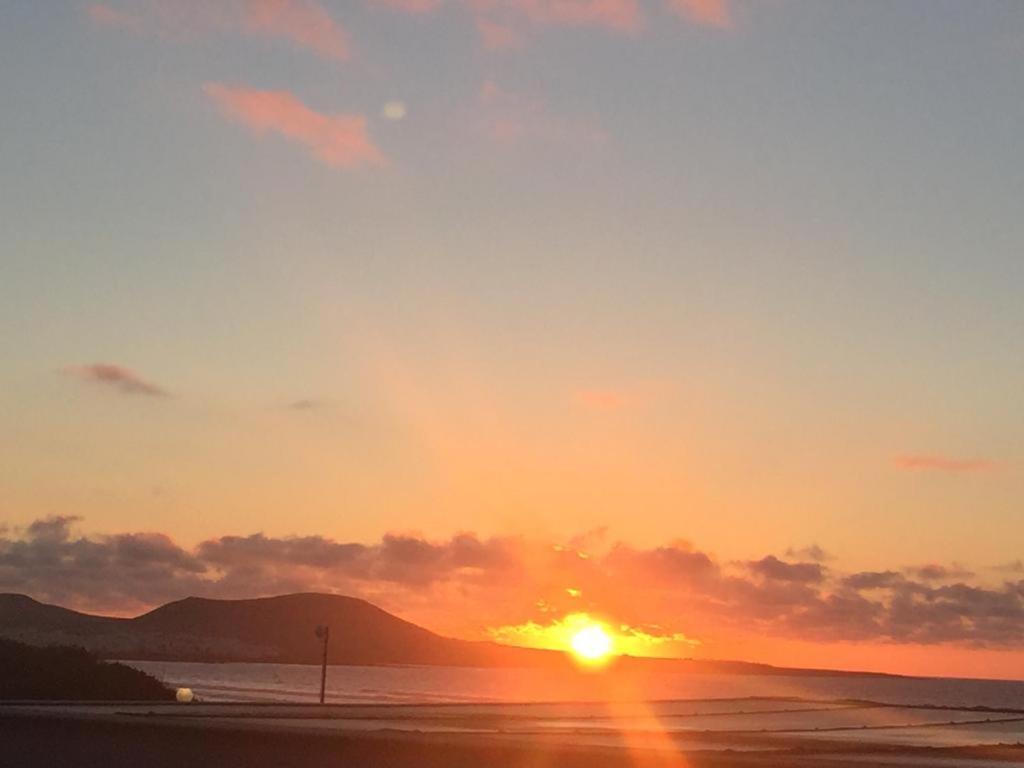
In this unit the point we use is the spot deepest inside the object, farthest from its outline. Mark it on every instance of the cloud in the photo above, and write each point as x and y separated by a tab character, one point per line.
620	15
919	462
515	586
339	141
812	552
936	572
503	24
116	377
1015	566
303	22
108	16
771	567
496	36
411	6
306	24
120	572
711	13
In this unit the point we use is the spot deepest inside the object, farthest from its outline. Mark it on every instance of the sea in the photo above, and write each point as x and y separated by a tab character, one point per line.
295	683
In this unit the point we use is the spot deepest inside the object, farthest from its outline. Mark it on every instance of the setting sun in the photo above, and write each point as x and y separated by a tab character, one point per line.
592	643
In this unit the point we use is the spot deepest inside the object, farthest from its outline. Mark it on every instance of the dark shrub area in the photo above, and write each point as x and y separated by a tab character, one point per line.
60	672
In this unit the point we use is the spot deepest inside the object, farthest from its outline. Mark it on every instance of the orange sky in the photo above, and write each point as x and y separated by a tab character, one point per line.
699	316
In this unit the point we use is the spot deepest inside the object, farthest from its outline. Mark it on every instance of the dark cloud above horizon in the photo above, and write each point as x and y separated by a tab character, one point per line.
503	580
116	377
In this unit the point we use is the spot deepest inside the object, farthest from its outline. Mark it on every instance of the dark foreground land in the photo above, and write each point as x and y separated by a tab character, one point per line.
46	738
31	673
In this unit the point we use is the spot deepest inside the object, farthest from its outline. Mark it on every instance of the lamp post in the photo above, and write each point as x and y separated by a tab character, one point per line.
324	633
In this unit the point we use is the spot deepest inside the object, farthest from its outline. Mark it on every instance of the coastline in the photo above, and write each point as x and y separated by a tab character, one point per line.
127	734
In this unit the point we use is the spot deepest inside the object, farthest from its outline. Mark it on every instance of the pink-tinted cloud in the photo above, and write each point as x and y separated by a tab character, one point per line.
108	16
496	36
340	141
712	13
116	377
943	463
410	6
499	20
305	23
620	15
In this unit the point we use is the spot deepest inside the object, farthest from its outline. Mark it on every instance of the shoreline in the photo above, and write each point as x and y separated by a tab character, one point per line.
119	735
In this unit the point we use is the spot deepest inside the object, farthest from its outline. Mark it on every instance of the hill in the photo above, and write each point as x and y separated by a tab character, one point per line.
63	673
272	629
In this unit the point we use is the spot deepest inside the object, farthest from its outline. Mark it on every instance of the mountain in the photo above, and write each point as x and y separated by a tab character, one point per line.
271	629
281	629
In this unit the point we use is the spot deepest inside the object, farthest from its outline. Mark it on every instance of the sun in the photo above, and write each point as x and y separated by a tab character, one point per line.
591	644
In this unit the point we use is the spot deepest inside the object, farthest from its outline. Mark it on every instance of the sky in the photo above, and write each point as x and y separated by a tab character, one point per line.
497	311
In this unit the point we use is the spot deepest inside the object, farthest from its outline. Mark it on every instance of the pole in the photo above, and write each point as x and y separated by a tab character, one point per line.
323	666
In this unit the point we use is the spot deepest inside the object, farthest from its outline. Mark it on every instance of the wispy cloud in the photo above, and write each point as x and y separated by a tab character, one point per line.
306	24
813	552
339	141
620	15
303	22
504	24
411	6
116	377
943	463
1015	566
496	36
939	572
712	13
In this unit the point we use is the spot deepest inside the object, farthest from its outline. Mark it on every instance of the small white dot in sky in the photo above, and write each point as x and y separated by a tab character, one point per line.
394	110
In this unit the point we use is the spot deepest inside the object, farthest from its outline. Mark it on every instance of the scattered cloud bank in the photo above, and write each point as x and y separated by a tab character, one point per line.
504	24
513	586
309	25
116	377
339	141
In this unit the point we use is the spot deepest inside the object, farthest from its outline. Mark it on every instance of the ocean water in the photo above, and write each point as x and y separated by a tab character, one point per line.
450	685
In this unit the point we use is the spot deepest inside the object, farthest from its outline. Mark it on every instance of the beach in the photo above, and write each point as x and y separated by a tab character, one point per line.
115	735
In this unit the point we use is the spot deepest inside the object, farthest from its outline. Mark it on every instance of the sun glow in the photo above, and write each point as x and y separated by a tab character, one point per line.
591	644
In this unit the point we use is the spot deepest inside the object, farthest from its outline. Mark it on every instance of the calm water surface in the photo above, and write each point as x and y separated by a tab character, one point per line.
411	684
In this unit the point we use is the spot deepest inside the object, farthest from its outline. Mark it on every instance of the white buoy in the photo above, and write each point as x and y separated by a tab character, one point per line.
184	695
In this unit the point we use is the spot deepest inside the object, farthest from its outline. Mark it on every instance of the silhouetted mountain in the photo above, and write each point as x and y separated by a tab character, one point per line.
278	629
281	629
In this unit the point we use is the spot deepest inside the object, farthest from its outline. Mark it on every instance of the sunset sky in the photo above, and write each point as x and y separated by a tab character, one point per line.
701	316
